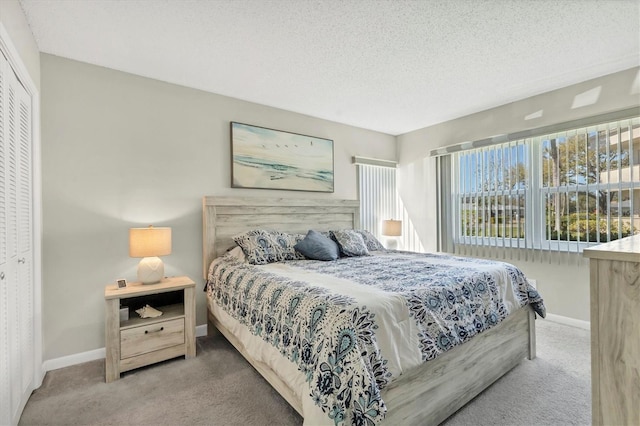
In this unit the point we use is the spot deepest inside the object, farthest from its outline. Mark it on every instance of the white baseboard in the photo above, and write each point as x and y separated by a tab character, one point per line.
69	360
201	330
79	358
585	325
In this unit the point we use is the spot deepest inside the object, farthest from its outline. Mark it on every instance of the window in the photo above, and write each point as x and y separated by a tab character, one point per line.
491	185
559	191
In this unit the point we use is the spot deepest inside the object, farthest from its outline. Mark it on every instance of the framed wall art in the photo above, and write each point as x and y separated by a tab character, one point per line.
274	159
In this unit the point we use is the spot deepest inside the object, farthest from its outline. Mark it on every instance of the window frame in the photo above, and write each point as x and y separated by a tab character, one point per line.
520	193
537	234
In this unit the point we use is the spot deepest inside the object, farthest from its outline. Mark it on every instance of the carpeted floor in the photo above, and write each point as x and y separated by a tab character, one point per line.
553	389
219	387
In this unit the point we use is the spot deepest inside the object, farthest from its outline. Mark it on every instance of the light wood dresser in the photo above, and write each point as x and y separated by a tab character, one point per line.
135	342
615	331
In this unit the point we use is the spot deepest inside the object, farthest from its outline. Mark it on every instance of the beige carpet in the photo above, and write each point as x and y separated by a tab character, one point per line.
219	387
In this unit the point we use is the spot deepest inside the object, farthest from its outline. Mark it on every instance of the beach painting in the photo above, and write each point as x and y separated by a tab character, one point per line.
273	159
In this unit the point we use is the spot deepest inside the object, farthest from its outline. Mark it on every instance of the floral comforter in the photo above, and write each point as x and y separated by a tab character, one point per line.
349	327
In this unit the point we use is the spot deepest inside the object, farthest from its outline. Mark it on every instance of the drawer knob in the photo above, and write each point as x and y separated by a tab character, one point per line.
154	331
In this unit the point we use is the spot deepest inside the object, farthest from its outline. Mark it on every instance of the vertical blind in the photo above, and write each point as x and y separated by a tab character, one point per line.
378	196
489	196
379	200
560	191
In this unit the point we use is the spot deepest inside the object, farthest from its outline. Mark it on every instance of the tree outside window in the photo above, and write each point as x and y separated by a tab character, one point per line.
584	186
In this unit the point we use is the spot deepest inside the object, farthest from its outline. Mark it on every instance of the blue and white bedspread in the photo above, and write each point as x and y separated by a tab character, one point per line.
339	332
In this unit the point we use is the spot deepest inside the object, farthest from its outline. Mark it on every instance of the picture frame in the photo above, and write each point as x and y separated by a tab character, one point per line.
121	282
263	158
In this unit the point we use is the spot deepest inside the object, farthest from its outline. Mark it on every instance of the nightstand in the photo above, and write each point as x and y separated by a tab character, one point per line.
136	342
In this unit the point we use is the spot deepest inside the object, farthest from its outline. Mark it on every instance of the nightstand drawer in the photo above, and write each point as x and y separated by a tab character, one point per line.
149	338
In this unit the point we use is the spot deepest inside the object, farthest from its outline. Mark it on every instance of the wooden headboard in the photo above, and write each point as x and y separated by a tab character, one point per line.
225	217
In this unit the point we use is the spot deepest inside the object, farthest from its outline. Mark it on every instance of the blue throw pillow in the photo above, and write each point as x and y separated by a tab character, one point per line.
318	247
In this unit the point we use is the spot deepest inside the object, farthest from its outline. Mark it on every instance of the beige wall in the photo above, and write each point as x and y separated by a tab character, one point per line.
564	282
15	22
121	150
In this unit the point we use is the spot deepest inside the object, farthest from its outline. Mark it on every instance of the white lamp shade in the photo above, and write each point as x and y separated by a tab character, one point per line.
391	228
149	242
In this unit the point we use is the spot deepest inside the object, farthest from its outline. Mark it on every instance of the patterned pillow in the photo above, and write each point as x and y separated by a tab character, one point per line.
286	245
236	254
318	247
262	246
350	242
371	241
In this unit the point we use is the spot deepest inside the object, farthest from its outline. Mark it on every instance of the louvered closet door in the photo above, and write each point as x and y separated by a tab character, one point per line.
16	252
25	297
5	383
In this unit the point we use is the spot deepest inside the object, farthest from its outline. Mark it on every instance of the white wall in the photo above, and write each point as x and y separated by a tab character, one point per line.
121	150
564	282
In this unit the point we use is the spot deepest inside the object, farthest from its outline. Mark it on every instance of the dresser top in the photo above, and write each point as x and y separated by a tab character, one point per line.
625	249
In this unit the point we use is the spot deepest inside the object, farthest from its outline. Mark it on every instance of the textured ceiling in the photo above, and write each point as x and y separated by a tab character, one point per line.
390	66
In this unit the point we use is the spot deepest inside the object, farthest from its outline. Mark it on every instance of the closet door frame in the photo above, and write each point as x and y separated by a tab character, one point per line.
11	53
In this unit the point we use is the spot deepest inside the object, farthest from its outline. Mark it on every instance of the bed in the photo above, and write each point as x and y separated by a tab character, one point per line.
425	394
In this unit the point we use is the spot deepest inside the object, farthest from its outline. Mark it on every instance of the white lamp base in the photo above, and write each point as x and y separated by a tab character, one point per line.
392	243
150	270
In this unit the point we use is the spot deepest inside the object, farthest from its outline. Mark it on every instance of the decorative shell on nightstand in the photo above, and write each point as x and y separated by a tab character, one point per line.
148	312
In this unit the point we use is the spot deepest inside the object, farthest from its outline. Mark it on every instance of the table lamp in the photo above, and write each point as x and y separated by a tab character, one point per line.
149	243
392	228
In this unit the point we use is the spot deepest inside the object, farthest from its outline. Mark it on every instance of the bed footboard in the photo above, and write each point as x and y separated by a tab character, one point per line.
434	391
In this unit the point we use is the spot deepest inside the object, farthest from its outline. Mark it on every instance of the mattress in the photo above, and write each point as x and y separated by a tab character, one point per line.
337	333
